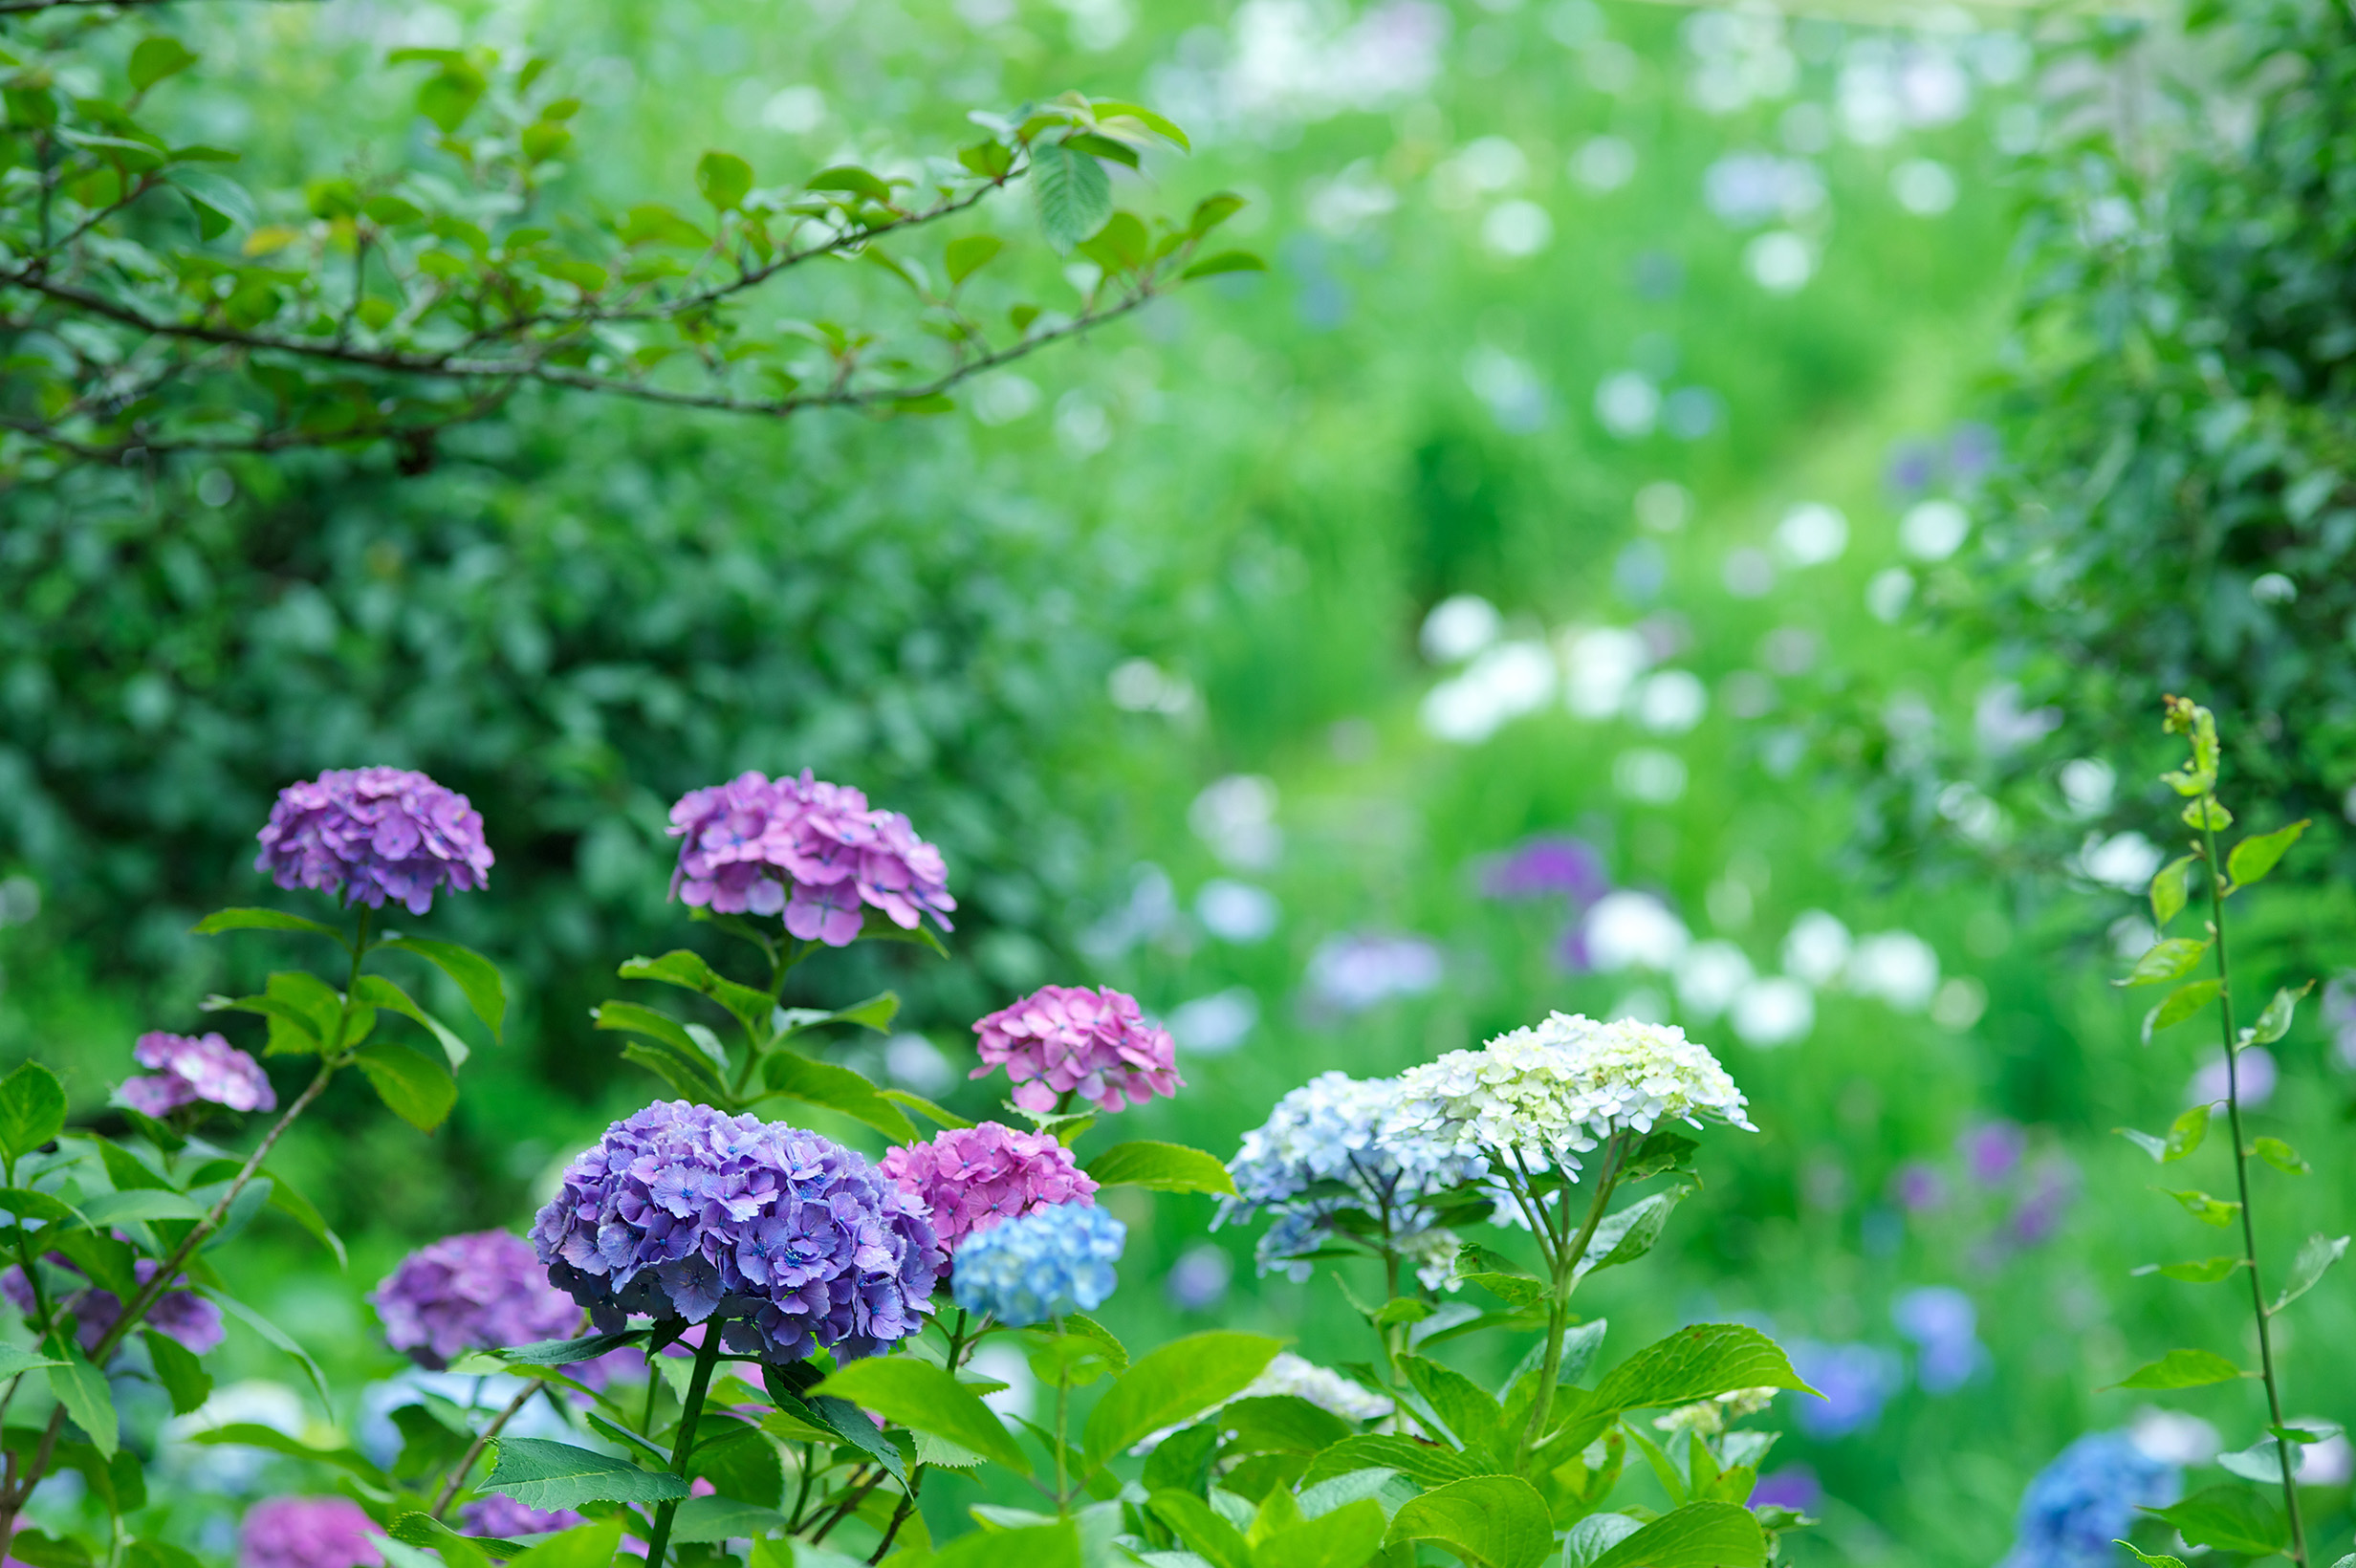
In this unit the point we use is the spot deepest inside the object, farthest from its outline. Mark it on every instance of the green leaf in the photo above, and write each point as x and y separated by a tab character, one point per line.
277	1337
1475	1419
2276	1021
40	1549
2207	815
850	180
2319	1254
1163	1167
2228	1517
924	1107
1225	261
110	1209
154	1554
688	971
923	1398
2169	960
425	1532
724	180
837	1089
839	1416
2183	1369
260	920
2252	858
875	1013
583	1546
81	1388
20	1203
2184	1136
2180	1005
1281	1423
31	1109
474	975
1344	1538
179	1370
1211	211
2207	1270
2281	1155
2261	1462
548	1476
15	1361
2149	1560
1201	1529
2203	1207
1072	194
1497	1521
1694	1363
380	993
1627	1236
221	203
710	1519
1700	1535
690	1075
1426	1463
2167	893
968	255
1115	109
568	1352
417	1089
632	1019
450	94
1172	1385
300	1210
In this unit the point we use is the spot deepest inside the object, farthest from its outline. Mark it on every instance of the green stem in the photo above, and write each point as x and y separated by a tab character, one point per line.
1566	1258
706	1356
2241	1182
1063	1405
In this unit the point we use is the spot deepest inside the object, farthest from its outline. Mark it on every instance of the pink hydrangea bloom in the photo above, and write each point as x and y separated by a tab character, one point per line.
375	834
970	1178
194	1067
1064	1038
308	1533
811	851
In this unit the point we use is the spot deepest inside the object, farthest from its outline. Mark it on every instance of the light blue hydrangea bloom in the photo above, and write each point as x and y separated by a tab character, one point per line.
2087	1499
1044	1264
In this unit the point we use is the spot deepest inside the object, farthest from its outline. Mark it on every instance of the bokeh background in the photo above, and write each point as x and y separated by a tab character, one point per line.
1477	614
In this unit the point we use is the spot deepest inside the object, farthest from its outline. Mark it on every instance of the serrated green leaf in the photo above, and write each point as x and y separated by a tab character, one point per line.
836	1088
924	1107
1071	193
277	1337
2210	816
688	971
1700	1535
2317	1255
711	1520
1163	1167
2182	1369
541	1474
31	1109
1115	109
1629	1234
2180	1005
2252	858
179	1370
111	1208
1696	1363
424	1532
415	1088
81	1388
1425	1463
2149	1560
1495	1521
15	1361
1345	1537
923	1398
475	976
583	1546
2169	960
968	255
1172	1385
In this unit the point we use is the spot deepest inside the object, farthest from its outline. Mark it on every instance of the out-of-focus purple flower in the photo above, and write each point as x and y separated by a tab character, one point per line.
681	1211
184	1315
1353	970
375	834
1991	1150
1972	450
2255	1069
1794	1487
1076	1039
473	1291
808	850
1549	865
1944	1325
2339	1010
1918	1187
2087	1499
1198	1281
968	1179
2051	1192
505	1518
1856	1380
308	1533
195	1067
1913	463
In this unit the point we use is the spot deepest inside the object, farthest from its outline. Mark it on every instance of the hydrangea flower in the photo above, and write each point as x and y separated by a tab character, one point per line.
681	1211
970	1178
1710	1416
183	1315
1043	1265
1334	1128
504	1518
1550	1093
475	1292
1300	1377
308	1533
2087	1498
811	851
1064	1040
194	1067
376	833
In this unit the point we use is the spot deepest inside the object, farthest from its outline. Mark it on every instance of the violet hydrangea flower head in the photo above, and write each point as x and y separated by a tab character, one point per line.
970	1179
194	1067
183	1315
2087	1499
1549	865
375	834
504	1518
475	1292
1043	1265
811	851
1079	1039
308	1533
682	1211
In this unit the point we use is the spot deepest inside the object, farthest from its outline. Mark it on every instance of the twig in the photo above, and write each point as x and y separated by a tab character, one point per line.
466	1461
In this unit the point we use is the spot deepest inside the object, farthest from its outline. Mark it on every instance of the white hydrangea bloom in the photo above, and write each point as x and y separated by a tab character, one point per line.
1327	1390
1550	1093
1709	1417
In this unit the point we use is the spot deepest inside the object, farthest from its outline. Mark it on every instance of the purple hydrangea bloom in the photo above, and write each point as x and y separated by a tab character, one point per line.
811	851
194	1067
1792	1487
308	1533
376	833
970	1178
184	1315
681	1211
1550	865
505	1518
475	1292
2087	1499
1075	1039
1991	1149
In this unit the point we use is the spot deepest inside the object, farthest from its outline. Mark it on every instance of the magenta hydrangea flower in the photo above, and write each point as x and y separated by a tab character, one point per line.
1071	1038
375	834
970	1178
475	1292
308	1533
194	1067
504	1518
811	851
184	1315
681	1211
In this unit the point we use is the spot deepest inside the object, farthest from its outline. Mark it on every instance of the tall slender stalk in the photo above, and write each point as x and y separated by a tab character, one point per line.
1566	1252
706	1356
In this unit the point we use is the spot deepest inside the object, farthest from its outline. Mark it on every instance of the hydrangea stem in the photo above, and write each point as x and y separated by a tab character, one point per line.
706	1356
1566	1253
481	1440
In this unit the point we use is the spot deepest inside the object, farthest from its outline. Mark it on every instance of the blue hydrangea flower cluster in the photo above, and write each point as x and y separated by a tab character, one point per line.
2087	1499
1045	1264
682	1211
1331	1130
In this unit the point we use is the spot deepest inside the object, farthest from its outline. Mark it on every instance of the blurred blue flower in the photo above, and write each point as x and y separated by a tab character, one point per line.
1856	1380
2085	1499
1944	1325
1547	865
1794	1487
1991	1149
1045	1264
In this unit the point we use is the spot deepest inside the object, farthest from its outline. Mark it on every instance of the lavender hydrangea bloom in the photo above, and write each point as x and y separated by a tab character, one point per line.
681	1211
475	1292
504	1518
2087	1499
811	851
1076	1039
1043	1265
308	1533
375	834
183	1315
970	1179
194	1067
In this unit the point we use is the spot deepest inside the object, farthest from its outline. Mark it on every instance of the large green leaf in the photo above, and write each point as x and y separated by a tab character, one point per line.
2171	960
567	1352
583	1546
1703	1534
1344	1538
687	970
923	1398
1694	1363
110	1209
836	1088
380	993
710	1519
179	1370
243	1434
1465	1405
1627	1236
1497	1521
1201	1529
1164	1167
540	1473
81	1388
2230	1519
476	978
1036	1546
416	1088
1427	1463
424	1532
1172	1385
1071	192
15	1360
2183	1369
31	1109
1281	1423
2258	854
2180	1004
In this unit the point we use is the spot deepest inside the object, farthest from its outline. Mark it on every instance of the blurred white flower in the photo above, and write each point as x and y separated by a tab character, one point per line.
1210	1025
1663	507
1511	386
2088	784
1772	1012
1976	816
2272	588
1459	628
1140	685
1923	186
1340	206
2174	1438
1601	665
2254	1067
1604	163
1711	976
1290	58
1933	529
1627	403
1236	816
1779	261
1517	229
1750	187
1629	929
915	1062
1004	1362
2131	936
1670	702
1235	911
1888	594
1817	948
794	110
1749	573
2330	1463
1644	1005
2123	860
1650	774
2002	725
1504	683
1351	971
1811	534
1898	967
1960	1003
